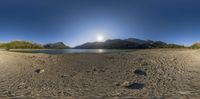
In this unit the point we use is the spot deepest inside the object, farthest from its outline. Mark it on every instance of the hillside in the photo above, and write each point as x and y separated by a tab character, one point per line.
58	45
20	45
131	43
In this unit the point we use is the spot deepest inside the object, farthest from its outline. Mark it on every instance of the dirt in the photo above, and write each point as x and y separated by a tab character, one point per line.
142	73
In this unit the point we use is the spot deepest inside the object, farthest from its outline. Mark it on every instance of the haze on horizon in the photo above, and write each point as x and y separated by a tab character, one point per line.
78	21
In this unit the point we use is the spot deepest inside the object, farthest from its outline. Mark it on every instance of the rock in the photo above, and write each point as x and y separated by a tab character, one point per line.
94	69
140	72
63	76
88	71
125	83
117	84
135	86
39	70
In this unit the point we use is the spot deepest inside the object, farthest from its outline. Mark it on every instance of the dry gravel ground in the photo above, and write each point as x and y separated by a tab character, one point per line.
142	73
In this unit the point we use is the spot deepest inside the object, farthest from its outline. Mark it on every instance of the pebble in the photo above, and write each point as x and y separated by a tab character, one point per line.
125	83
117	84
140	72
39	71
63	76
135	86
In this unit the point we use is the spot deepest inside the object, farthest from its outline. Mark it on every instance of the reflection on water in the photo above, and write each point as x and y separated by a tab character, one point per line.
65	51
100	50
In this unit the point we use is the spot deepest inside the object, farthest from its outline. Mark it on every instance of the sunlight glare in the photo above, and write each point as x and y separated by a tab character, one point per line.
100	38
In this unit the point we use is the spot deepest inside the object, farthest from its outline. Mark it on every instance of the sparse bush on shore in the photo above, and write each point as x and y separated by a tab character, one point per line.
174	46
195	45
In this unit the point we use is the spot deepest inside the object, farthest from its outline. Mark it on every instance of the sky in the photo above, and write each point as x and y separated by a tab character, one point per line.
75	22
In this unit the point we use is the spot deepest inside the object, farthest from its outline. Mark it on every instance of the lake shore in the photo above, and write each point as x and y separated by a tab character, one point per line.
141	73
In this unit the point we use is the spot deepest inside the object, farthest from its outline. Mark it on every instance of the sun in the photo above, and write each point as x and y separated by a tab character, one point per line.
100	38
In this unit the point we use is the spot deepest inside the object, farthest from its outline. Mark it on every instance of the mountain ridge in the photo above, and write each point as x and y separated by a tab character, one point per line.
57	45
130	43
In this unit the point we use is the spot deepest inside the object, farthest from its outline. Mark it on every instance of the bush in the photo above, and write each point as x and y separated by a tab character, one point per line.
174	46
20	45
196	45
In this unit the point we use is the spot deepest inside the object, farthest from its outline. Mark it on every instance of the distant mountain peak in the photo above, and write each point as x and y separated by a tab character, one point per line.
57	45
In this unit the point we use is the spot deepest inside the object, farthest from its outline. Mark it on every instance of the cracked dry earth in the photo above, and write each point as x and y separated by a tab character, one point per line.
142	73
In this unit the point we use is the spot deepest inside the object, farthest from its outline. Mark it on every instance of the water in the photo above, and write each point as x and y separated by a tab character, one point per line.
66	51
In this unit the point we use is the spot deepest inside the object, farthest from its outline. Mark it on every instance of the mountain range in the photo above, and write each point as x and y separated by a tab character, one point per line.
130	43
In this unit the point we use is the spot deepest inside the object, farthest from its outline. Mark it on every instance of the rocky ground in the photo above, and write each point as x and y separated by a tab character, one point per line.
142	73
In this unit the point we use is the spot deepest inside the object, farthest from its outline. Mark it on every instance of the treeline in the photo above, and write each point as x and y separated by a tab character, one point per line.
20	45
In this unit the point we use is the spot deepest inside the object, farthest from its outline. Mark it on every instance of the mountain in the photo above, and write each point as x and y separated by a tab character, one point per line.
135	40
130	43
58	45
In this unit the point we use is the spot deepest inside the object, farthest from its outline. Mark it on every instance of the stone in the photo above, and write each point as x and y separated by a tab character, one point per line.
135	86
63	76
117	84
39	71
125	83
140	72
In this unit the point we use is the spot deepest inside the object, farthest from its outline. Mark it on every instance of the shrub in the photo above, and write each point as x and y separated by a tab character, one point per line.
195	45
20	45
174	46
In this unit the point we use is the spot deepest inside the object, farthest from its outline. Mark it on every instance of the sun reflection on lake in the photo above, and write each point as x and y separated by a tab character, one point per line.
101	50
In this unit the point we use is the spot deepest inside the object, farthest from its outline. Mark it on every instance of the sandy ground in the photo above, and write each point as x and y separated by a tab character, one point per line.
143	73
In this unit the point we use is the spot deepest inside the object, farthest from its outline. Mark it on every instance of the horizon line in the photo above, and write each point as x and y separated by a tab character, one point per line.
33	41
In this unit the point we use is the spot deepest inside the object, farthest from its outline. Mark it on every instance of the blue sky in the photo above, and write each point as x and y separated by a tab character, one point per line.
78	21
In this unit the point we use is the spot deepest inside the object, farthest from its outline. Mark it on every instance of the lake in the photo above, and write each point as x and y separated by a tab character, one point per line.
66	51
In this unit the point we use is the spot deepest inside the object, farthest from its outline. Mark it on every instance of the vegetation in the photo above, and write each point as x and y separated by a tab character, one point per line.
174	46
20	45
196	45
